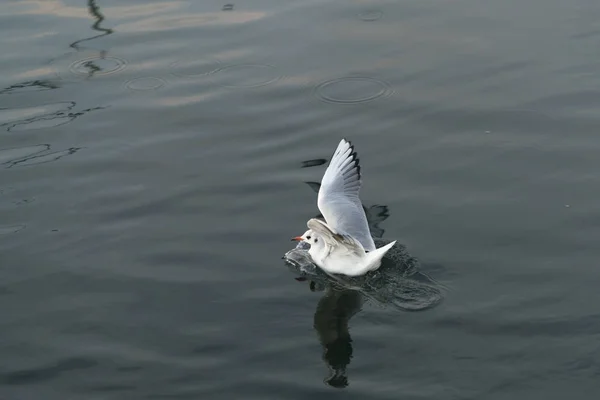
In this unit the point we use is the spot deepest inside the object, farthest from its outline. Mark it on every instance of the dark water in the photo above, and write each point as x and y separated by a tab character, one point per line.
154	157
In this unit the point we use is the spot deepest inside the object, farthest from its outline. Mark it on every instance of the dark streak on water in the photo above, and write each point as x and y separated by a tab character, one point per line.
153	166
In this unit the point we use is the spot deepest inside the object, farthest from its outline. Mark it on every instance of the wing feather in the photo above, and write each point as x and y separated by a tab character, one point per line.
338	198
333	239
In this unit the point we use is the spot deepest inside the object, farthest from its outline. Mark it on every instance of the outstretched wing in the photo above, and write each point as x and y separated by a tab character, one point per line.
338	198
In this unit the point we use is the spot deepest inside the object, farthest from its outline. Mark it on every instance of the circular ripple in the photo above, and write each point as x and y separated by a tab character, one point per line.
370	15
97	65
248	75
193	68
86	64
351	90
145	83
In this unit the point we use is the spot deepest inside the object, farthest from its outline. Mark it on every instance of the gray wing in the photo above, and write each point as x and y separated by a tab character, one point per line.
333	239
338	198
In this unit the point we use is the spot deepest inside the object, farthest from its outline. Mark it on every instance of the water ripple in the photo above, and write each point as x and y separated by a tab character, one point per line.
86	65
97	65
352	90
145	83
248	75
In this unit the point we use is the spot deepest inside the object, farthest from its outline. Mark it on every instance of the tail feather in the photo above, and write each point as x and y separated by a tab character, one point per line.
377	255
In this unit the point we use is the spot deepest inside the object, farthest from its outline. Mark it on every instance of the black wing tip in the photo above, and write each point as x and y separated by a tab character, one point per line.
354	156
356	162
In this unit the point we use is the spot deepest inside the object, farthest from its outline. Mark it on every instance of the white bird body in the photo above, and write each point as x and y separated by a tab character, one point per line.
343	243
340	254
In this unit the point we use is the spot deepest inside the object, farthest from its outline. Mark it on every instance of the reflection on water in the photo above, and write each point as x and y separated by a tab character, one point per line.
405	289
485	156
90	66
45	158
8	155
344	297
30	86
313	163
10	115
94	11
331	319
398	283
32	155
95	62
49	119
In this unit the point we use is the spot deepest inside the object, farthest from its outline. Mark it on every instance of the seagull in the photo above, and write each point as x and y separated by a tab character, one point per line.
342	244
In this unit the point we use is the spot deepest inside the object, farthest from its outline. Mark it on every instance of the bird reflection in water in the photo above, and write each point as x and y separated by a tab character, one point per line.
397	284
331	319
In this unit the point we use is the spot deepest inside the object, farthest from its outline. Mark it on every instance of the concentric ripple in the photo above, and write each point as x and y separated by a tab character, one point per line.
97	66
352	90
87	65
247	75
145	83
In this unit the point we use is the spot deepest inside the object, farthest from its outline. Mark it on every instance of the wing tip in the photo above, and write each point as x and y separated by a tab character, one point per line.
353	155
356	162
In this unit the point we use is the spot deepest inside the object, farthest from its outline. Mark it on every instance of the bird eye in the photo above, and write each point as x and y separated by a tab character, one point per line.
308	237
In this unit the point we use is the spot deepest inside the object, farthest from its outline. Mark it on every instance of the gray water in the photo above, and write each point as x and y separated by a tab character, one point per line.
154	157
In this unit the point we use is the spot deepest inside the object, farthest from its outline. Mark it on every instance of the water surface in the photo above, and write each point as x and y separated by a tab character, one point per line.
154	157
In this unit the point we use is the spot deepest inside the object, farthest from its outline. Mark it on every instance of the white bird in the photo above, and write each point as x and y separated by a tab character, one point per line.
343	243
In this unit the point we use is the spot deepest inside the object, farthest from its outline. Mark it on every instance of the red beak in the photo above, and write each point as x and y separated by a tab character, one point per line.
297	239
